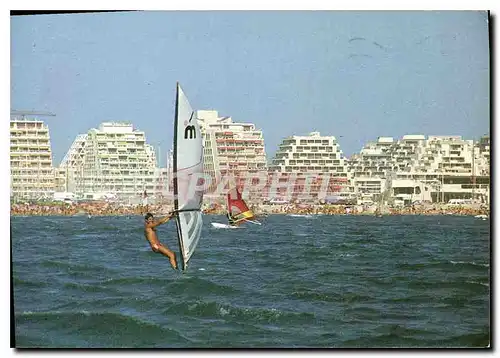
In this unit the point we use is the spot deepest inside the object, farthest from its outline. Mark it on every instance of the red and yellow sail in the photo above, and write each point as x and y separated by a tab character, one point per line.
237	208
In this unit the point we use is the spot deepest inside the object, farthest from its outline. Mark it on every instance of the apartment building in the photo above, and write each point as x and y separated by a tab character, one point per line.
69	174
113	158
482	153
230	148
368	169
32	173
314	156
439	167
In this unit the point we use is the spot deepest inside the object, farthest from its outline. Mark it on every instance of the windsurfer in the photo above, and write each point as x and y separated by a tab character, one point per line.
230	220
150	233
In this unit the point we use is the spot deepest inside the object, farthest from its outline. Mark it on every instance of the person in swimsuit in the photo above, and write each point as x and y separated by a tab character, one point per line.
150	233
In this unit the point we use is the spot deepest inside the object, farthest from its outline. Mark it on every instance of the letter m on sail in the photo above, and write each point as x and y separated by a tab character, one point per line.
190	131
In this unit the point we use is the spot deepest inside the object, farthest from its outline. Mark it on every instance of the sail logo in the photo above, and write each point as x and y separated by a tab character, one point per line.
190	130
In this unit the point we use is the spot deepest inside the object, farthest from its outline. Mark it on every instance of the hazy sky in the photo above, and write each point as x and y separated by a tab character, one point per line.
358	75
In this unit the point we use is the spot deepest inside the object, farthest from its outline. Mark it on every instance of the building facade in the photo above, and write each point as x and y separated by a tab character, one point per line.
113	158
437	168
314	167
229	148
32	173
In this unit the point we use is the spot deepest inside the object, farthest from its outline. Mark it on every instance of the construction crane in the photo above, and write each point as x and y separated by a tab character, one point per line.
23	114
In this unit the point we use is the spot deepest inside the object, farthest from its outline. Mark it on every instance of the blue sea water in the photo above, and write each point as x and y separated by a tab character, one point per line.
324	281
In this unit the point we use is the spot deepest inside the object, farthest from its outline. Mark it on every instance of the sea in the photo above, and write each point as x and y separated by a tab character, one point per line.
293	282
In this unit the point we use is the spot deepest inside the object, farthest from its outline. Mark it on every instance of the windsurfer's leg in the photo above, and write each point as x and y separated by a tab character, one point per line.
166	252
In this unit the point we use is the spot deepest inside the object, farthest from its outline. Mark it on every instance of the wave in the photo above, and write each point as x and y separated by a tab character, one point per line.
478	283
397	336
479	340
101	329
71	266
88	288
110	302
182	285
339	297
242	314
449	284
77	270
450	265
469	263
313	295
347	255
128	281
315	253
193	285
383	341
19	282
368	240
406	338
410	299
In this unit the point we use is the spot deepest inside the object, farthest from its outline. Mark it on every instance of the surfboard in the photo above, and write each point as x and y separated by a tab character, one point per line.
224	226
300	215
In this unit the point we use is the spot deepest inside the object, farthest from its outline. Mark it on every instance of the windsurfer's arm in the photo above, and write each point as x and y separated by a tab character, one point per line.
165	219
159	222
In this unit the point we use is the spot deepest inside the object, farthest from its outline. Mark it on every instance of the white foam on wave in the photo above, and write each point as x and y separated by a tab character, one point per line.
348	255
469	262
480	283
223	311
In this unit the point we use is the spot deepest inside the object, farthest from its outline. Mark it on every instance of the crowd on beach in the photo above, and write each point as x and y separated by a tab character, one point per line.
364	210
79	209
103	208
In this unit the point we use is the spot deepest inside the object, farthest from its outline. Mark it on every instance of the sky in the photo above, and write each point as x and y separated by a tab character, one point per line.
353	75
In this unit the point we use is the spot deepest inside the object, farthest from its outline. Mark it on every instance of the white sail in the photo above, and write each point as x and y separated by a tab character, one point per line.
188	167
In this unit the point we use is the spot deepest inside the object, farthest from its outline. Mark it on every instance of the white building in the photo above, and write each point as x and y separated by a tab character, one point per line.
309	154
113	158
482	156
230	148
69	174
370	168
316	155
409	191
442	167
32	174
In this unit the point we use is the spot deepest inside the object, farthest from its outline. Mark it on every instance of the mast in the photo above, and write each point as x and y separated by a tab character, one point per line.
174	172
473	170
174	156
